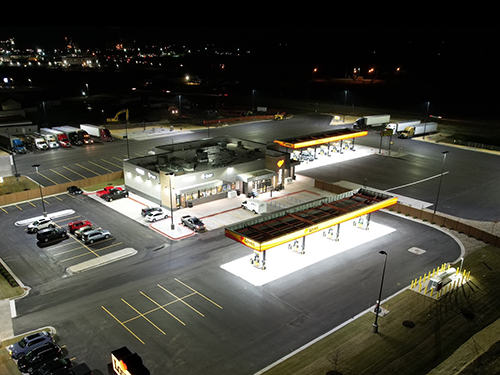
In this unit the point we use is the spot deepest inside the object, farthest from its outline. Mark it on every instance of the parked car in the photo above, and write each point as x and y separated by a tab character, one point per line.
81	369
38	356
106	190
77	224
74	190
79	232
193	223
114	194
157	215
41	224
50	234
95	235
52	367
147	210
26	344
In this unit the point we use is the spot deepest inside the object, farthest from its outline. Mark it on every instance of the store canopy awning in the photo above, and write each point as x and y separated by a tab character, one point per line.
276	228
263	174
317	139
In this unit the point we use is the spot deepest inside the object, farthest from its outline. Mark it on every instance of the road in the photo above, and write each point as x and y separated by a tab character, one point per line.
467	189
182	312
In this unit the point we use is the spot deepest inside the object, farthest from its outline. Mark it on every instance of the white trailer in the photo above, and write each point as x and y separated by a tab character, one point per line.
368	121
420	129
398	127
97	131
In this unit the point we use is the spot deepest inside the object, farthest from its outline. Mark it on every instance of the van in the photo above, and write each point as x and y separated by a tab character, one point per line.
254	205
440	280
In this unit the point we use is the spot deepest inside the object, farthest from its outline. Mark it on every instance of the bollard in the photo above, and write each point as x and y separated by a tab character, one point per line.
458	270
468	276
419	287
425	291
411	285
432	289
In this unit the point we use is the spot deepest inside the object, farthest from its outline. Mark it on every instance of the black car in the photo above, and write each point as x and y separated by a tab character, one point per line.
114	194
81	369
50	234
74	190
49	368
37	357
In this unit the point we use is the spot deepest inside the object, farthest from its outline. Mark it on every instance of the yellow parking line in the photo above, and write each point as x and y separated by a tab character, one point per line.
21	208
72	171
180	300
143	316
4	210
55	183
123	325
97	165
116	165
63	176
163	308
114	157
90	170
208	299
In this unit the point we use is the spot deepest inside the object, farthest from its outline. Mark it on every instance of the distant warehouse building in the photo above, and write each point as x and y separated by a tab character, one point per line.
206	170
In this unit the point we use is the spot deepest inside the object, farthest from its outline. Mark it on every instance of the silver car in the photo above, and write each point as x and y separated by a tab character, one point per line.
95	235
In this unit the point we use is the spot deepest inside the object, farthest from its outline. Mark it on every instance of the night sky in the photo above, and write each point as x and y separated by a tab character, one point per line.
458	60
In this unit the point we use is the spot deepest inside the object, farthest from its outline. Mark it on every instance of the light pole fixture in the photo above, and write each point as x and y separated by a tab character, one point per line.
41	193
377	306
440	180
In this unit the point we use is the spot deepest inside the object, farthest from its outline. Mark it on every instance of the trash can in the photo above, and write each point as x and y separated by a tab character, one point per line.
190	204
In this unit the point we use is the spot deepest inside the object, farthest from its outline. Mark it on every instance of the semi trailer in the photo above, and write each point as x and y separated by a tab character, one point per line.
398	127
420	129
97	131
369	121
12	143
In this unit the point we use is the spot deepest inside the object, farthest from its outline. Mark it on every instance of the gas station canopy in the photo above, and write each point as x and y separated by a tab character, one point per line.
316	139
283	226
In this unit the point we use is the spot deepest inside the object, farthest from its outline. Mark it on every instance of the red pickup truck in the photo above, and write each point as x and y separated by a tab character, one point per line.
106	190
77	224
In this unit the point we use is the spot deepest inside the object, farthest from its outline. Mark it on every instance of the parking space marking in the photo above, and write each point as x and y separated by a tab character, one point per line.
181	299
38	173
201	295
162	307
63	176
97	165
116	165
90	170
90	251
72	171
159	306
143	316
123	325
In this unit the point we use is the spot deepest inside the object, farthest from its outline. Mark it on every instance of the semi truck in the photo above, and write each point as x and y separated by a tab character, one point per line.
72	134
420	129
82	135
12	143
398	127
37	141
50	139
61	137
369	121
97	131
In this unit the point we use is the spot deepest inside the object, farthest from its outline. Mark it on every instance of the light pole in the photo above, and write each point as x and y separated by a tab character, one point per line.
440	180
377	306
41	193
